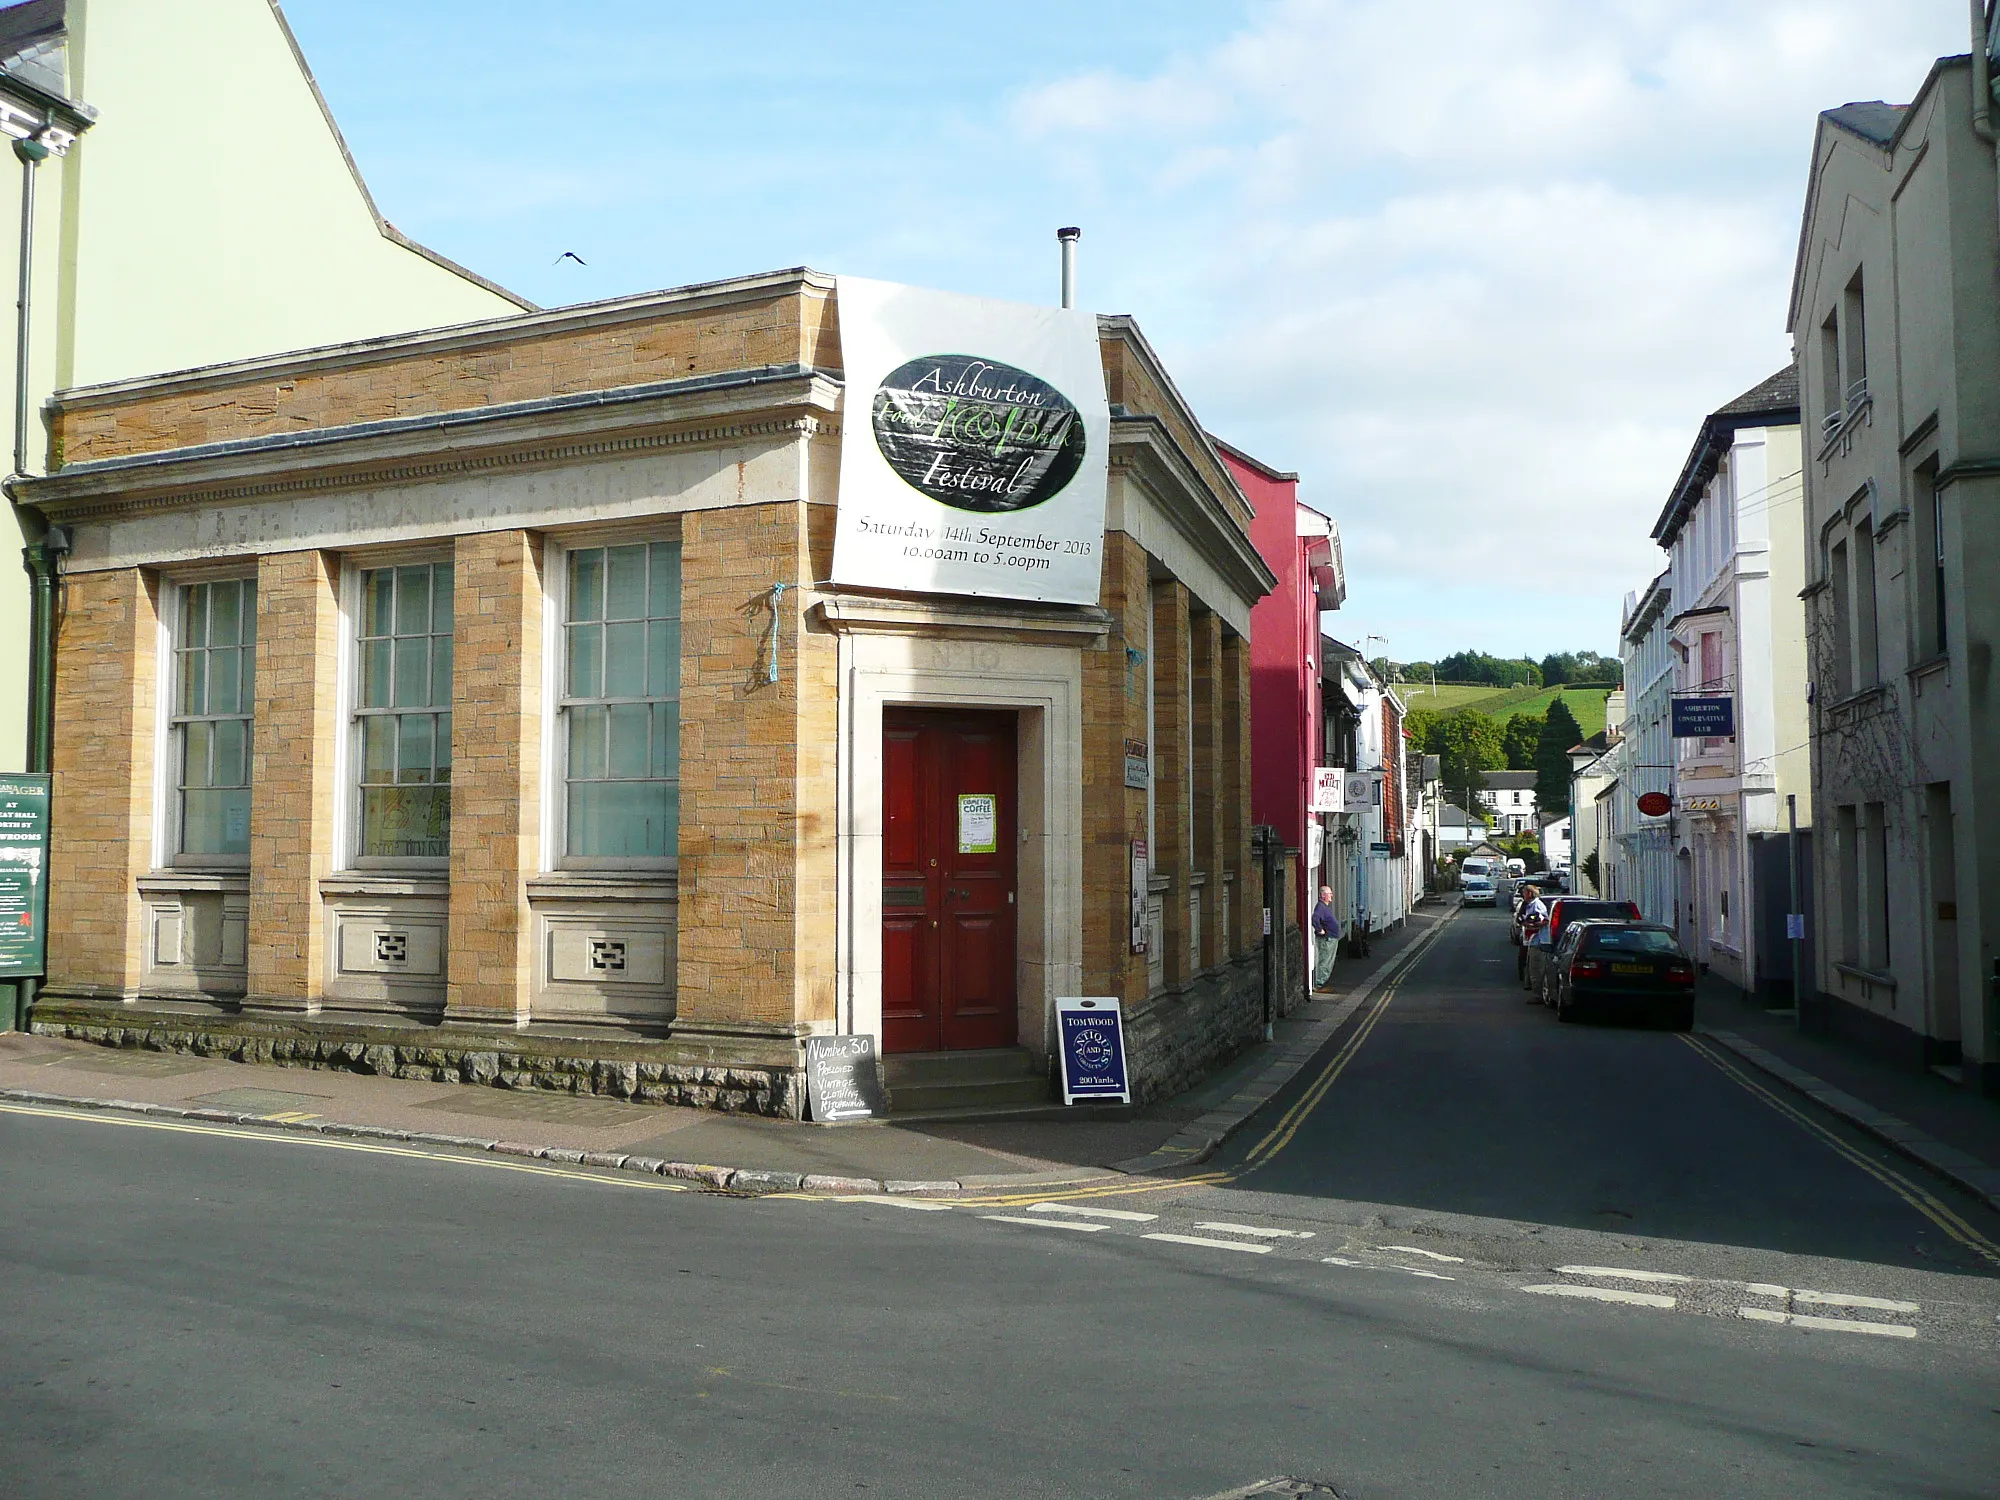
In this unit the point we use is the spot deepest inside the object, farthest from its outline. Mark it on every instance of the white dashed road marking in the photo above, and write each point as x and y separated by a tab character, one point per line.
1602	1294
1124	1214
1827	1325
1848	1299
1621	1273
917	1203
1046	1223
1190	1239
1362	1265
1456	1260
1269	1234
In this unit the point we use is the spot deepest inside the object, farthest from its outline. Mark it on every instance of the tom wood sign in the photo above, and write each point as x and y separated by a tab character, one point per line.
973	456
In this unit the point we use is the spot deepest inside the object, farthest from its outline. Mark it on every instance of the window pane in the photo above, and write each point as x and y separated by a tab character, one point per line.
232	762
376	657
413	600
586	584
629	756
624	819
441	586
249	587
666	740
625	583
408	822
378	748
666	603
215	822
246	696
586	743
663	659
224	614
413	748
195	754
586	661
624	661
378	603
225	669
194	682
443	750
413	675
194	620
441	670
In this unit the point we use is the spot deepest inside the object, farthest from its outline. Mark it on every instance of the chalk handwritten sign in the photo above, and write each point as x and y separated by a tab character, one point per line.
841	1081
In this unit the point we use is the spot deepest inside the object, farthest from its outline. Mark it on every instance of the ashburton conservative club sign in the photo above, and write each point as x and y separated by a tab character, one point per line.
975	442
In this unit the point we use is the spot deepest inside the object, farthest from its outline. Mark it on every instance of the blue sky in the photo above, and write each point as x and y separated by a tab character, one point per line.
1477	276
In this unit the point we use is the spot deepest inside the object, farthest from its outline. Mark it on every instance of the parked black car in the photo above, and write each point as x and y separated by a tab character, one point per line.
1538	953
1623	969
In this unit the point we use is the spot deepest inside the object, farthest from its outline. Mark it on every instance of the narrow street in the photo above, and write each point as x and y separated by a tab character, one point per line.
1470	1252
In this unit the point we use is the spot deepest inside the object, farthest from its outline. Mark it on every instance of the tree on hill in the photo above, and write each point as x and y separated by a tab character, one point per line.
1478	667
1519	738
1576	668
1465	741
1559	732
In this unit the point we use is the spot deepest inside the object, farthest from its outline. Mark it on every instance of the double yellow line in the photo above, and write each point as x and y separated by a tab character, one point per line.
1280	1135
1923	1201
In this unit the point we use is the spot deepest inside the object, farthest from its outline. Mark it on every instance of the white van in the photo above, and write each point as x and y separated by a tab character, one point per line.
1477	867
1516	868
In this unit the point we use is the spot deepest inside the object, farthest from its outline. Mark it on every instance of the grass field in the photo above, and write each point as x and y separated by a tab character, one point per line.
1587	703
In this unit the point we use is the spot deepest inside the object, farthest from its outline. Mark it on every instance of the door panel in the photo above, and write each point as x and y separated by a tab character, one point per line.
948	923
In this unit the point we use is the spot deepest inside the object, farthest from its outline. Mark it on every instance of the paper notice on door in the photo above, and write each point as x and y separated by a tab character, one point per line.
979	824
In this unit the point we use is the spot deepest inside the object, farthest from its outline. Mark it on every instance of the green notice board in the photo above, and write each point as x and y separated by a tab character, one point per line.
24	883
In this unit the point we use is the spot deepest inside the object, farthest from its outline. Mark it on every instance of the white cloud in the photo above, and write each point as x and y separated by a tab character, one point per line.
1478	274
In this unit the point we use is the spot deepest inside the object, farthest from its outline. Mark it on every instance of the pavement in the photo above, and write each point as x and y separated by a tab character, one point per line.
737	1152
1465	1250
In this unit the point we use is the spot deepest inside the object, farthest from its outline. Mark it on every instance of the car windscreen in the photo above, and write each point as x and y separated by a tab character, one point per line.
1578	911
1651	941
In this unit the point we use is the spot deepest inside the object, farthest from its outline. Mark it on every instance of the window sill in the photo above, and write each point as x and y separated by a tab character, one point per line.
605	885
370	883
1861	695
1929	665
1866	976
165	882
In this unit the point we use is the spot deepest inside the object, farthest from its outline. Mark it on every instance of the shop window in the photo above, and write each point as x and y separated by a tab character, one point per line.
215	650
620	704
402	714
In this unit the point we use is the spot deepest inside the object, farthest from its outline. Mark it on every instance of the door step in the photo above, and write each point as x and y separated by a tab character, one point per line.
933	1082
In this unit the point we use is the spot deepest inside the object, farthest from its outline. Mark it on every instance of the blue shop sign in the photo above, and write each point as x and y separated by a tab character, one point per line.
1705	716
1093	1050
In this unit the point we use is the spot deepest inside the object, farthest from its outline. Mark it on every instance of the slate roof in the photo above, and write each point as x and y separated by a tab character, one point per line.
34	44
1508	781
1870	119
1773	402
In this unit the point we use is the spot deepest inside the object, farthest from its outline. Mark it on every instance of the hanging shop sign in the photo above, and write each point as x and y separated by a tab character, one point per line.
1361	790
24	863
1329	790
1093	1050
975	439
1655	804
1704	716
841	1079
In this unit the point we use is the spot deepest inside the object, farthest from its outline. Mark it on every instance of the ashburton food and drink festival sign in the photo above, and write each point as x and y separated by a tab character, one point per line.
976	435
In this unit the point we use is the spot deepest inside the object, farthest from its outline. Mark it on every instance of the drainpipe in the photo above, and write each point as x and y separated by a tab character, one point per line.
1982	76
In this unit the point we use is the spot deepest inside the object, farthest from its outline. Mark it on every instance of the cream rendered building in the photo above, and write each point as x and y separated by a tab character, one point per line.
198	204
1897	326
1731	527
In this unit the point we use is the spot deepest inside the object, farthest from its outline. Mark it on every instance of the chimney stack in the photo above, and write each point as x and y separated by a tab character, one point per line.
1068	236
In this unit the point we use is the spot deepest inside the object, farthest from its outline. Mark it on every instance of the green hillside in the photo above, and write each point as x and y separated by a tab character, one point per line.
1587	703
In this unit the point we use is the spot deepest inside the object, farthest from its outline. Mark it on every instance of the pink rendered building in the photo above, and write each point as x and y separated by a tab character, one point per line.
1287	716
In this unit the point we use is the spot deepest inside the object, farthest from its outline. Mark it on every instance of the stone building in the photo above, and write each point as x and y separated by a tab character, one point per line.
1896	322
476	704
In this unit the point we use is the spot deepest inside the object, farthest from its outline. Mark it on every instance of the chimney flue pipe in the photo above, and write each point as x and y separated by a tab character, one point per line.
1068	236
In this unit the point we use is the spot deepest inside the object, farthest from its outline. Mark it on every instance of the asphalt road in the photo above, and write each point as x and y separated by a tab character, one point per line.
1402	1296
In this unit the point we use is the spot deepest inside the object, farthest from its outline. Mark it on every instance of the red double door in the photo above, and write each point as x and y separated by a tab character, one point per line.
949	833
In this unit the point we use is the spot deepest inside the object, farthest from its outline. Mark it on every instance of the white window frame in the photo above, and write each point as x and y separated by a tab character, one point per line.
654	530
167	746
349	758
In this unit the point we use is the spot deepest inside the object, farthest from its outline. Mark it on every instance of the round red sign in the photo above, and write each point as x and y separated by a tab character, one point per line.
1655	804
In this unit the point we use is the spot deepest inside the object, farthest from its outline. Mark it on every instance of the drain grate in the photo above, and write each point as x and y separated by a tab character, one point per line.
1282	1488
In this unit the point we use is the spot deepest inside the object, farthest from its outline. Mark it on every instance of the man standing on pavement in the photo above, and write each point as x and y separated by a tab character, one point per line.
1534	915
1326	938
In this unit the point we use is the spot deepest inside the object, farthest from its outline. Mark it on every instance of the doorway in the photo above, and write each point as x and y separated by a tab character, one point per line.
949	836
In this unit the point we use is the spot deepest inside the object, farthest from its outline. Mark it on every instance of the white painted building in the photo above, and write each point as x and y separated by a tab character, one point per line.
1509	796
1637	851
1733	528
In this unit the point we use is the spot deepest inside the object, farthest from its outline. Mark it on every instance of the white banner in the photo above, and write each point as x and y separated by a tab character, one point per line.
974	447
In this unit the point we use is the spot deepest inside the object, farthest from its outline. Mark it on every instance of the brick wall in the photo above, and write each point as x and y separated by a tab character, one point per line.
292	793
496	772
758	783
101	821
767	326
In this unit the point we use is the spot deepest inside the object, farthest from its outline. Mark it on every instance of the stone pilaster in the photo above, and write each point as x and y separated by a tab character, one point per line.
1172	827
101	818
292	791
1114	711
1246	921
1205	643
496	773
